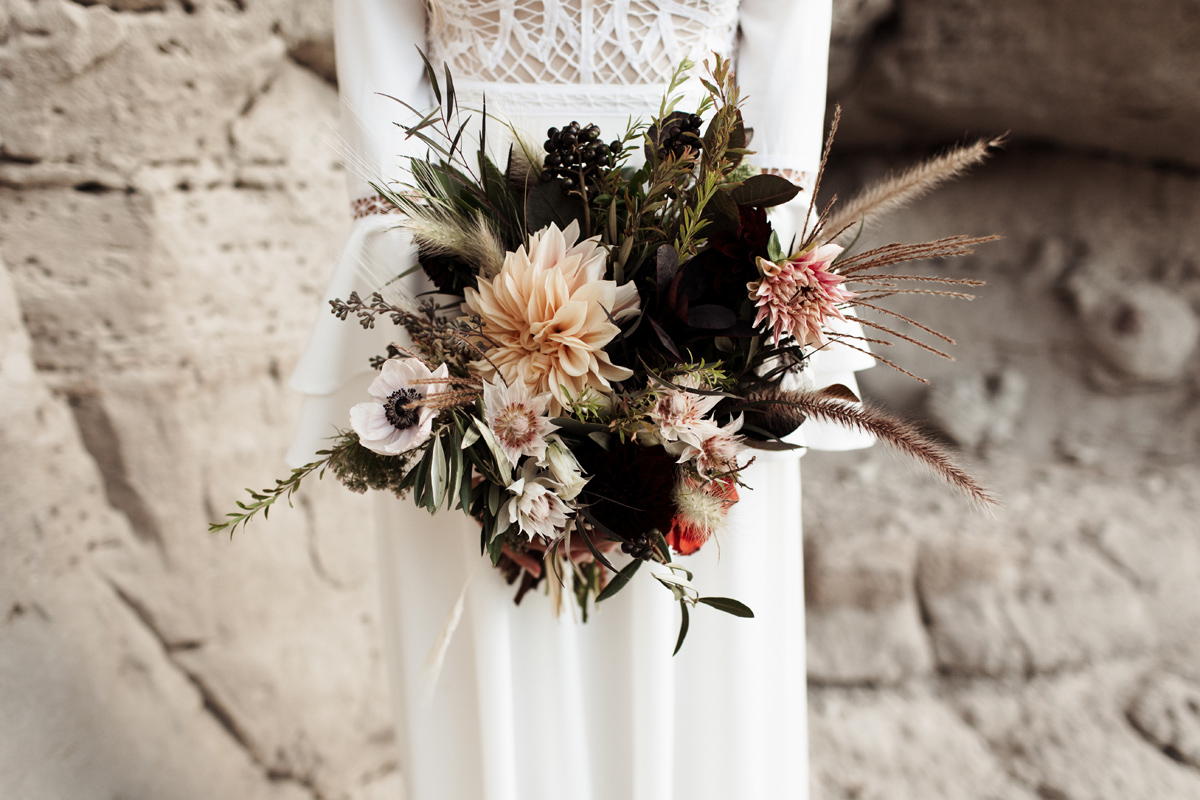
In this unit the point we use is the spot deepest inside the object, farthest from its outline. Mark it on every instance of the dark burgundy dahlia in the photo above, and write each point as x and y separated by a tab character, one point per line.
629	491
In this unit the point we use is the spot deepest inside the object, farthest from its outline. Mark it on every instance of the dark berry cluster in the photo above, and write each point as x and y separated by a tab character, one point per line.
576	158
678	132
639	548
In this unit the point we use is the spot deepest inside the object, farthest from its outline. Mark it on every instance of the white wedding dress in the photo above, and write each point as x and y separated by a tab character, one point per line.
529	706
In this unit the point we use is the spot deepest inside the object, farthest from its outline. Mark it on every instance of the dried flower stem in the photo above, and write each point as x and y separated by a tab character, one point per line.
897	252
880	295
903	318
923	278
865	339
452	381
908	339
883	360
805	239
453	399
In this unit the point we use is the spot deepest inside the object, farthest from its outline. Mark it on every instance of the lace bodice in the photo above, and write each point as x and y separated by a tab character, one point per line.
538	63
574	42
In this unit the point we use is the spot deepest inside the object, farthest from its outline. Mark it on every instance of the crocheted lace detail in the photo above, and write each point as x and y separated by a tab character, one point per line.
371	206
605	42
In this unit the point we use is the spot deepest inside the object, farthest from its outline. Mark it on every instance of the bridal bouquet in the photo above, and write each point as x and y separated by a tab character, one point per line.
613	330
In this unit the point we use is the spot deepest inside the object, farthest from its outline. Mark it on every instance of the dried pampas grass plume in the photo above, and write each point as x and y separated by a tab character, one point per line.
897	191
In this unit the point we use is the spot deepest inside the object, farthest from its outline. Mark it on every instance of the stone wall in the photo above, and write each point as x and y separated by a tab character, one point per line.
169	208
1047	651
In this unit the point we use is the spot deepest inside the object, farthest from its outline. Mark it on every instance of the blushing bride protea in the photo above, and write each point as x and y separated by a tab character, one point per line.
682	416
518	419
564	468
396	419
547	313
799	294
718	452
533	505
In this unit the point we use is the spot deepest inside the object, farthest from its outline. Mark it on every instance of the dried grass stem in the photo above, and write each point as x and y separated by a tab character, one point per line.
897	191
896	434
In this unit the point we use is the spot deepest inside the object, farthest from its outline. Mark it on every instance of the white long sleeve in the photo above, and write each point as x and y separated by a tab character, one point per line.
782	67
377	43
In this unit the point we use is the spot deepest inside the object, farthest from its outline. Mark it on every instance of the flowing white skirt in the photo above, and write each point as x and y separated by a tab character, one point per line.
530	707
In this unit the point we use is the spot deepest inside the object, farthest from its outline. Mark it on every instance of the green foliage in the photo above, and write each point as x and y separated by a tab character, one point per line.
285	487
360	469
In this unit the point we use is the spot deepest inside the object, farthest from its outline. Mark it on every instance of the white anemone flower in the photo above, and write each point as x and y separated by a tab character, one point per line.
534	506
396	419
681	416
564	468
518	418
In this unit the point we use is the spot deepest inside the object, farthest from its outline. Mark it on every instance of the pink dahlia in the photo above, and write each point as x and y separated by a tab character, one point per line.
799	295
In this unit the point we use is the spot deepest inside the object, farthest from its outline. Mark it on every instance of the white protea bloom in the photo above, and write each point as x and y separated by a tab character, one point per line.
397	419
564	469
547	314
719	451
681	416
518	418
534	507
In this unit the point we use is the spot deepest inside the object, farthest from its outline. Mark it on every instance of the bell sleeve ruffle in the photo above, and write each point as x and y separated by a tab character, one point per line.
782	69
334	371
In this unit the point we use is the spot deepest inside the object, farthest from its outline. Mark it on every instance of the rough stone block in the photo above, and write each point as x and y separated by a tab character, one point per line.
1145	332
1071	72
1071	607
862	616
978	411
1166	710
1069	737
887	746
964	585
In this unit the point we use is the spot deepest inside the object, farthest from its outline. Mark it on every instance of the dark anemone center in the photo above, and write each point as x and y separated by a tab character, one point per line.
400	408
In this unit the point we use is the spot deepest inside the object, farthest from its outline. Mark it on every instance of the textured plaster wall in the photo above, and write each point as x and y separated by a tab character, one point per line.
169	209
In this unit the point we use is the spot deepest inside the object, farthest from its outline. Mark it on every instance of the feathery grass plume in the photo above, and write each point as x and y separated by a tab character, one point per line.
805	238
897	191
442	230
767	409
897	434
